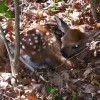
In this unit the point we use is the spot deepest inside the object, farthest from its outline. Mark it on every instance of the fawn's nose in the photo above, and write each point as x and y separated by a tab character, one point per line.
64	54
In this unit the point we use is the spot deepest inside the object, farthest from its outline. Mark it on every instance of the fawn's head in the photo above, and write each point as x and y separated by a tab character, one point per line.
73	40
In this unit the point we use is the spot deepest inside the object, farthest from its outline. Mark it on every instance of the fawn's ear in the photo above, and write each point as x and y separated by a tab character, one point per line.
62	26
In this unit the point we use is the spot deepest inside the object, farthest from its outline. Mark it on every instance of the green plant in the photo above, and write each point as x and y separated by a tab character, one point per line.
52	7
3	10
56	1
52	90
57	97
49	89
73	95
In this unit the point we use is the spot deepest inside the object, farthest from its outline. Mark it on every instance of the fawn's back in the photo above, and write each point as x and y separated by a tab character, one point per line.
42	46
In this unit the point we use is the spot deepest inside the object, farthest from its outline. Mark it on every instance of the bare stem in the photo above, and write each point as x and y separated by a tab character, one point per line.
17	39
6	43
94	10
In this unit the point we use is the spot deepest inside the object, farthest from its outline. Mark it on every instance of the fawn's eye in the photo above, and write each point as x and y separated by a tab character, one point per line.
75	46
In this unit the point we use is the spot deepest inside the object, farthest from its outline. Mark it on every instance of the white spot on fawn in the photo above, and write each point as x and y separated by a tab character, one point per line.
23	47
36	41
33	34
47	33
41	37
43	43
39	50
49	44
23	39
20	43
35	37
26	34
34	46
51	41
29	39
33	53
31	43
44	47
37	32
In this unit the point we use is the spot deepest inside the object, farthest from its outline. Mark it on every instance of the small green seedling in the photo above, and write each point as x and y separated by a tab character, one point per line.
73	95
4	11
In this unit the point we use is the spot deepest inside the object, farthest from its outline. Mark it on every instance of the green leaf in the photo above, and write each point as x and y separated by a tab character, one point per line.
3	10
50	89
56	1
3	7
52	7
73	95
8	14
58	97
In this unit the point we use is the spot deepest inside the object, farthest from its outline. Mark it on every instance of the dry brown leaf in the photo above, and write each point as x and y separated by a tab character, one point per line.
10	26
31	97
87	72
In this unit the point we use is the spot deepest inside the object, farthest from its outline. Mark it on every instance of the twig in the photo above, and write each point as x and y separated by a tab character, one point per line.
78	53
17	39
4	95
93	4
6	43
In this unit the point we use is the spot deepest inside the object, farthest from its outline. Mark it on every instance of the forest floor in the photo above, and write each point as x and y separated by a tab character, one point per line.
79	83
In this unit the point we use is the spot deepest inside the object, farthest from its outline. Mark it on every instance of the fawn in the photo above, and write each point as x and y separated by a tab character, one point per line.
42	46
